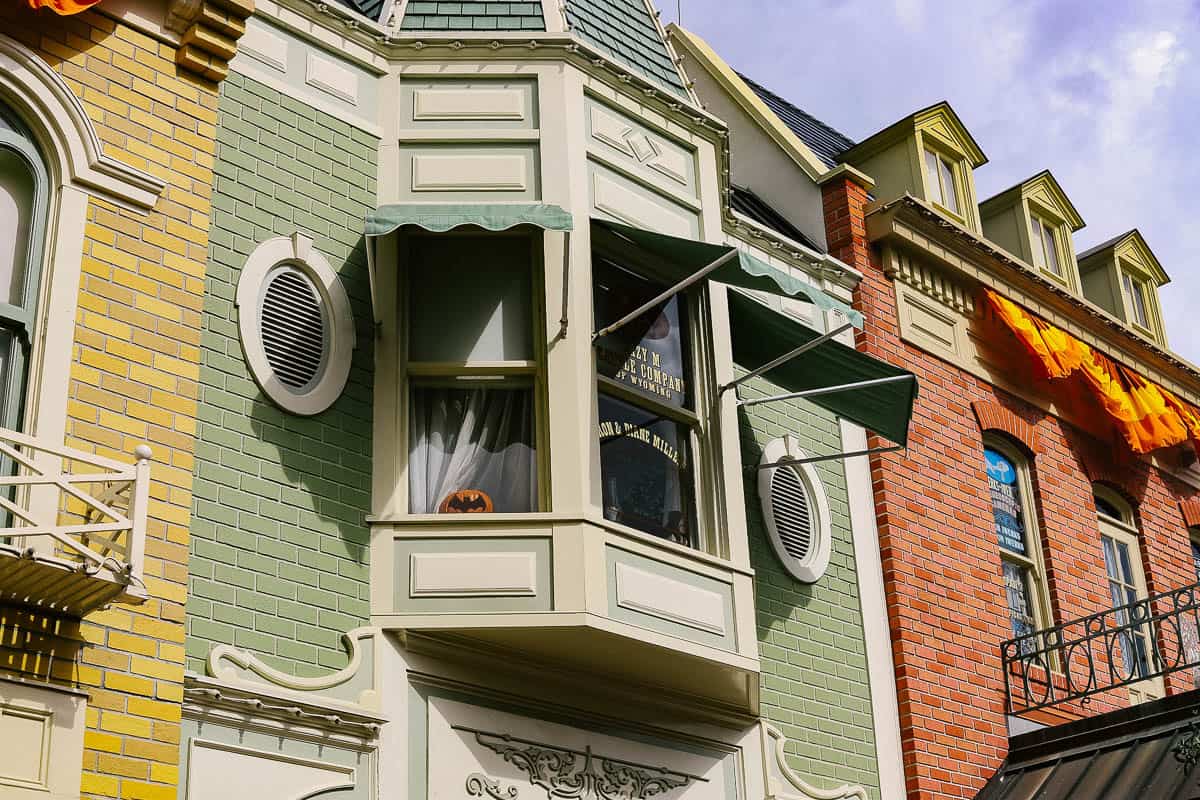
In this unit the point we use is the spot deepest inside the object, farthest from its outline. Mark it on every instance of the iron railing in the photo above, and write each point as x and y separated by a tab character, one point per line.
1122	646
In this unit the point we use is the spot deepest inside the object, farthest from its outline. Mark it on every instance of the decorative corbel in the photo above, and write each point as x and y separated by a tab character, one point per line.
208	33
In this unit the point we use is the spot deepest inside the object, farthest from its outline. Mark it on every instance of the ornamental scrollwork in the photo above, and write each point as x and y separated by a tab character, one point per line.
479	785
567	774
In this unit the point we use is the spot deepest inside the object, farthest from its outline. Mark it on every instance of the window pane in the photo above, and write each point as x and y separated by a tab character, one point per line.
931	176
1196	558
1007	510
1107	509
1037	245
949	194
649	354
1137	297
469	447
470	299
16	223
1020	606
645	469
1051	252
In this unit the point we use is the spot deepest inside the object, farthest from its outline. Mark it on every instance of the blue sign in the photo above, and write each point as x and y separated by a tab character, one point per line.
1006	501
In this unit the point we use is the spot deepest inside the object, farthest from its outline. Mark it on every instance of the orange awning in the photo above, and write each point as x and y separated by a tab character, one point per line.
1147	415
64	6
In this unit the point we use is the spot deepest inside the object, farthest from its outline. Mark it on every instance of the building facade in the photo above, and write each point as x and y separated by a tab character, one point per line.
1036	534
107	119
484	504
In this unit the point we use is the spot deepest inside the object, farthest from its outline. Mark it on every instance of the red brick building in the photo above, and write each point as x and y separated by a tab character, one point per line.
1019	506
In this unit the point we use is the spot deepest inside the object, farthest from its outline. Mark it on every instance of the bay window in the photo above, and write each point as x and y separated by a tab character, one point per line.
473	375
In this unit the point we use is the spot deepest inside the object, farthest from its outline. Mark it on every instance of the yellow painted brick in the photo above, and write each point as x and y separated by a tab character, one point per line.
80	410
106	325
111	764
152	751
173	402
87	676
92	303
176	514
103	785
186	425
104	657
157	307
171	692
162	670
129	643
164	773
104	742
92	718
125	350
125	724
173	592
98	99
99	398
170	652
175	366
168	712
119	422
159	630
117	618
100	234
131	684
135	281
94	266
103	361
135	790
152	377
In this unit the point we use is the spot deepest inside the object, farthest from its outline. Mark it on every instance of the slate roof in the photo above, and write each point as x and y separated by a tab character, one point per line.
436	15
1103	245
749	204
825	142
1121	755
626	30
368	8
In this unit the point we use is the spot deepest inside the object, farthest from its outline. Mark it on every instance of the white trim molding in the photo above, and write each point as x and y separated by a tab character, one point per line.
782	781
812	566
61	125
297	251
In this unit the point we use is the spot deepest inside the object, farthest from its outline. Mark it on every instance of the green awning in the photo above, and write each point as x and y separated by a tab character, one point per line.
686	256
761	334
440	217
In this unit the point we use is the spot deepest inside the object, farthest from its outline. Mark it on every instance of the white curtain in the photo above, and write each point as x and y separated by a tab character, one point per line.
475	438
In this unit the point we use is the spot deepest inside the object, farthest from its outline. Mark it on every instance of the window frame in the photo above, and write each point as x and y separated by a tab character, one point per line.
946	164
473	374
1048	234
1132	283
704	440
1193	544
1037	583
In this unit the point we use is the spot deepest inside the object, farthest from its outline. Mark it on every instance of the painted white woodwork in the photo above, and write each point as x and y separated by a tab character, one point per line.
461	172
473	574
625	202
331	78
261	44
215	768
784	783
669	599
41	728
651	152
91	556
460	104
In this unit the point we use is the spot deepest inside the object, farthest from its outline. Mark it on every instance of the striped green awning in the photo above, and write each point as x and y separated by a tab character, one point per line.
840	379
442	217
687	256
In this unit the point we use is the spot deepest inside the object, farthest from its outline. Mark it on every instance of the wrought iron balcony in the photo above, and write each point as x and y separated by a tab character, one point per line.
1133	645
72	526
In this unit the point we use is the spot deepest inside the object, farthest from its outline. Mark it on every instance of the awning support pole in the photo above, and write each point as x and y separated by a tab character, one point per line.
788	356
845	387
832	456
566	292
674	290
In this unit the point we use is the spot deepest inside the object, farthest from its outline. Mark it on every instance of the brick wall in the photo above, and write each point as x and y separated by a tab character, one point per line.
941	562
132	381
279	547
816	688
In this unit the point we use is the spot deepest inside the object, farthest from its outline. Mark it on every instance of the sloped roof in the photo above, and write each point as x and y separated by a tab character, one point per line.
825	142
371	9
436	15
749	204
627	31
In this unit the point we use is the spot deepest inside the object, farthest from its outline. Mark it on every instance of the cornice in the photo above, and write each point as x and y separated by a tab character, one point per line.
821	265
914	225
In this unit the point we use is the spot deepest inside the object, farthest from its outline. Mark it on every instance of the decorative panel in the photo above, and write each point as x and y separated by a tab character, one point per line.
473	574
469	172
26	734
460	104
474	750
41	730
624	200
331	78
669	599
641	151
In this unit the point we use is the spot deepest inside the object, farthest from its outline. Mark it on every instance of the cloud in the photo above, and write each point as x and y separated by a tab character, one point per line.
1104	94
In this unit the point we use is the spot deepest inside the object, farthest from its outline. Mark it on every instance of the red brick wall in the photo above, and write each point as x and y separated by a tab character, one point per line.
941	563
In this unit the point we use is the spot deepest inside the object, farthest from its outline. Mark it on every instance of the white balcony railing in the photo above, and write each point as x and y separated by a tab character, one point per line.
72	526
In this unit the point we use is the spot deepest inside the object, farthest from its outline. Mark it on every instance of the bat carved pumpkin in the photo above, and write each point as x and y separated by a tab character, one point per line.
466	501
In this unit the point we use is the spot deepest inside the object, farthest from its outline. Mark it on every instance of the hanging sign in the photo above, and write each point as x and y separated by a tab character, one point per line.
1006	501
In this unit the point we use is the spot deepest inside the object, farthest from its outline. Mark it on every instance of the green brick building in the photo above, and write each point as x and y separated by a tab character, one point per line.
475	491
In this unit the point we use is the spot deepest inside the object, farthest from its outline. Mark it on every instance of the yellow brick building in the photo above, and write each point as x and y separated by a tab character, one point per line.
107	123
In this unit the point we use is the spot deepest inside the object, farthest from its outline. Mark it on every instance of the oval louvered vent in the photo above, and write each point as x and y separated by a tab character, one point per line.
795	509
293	328
791	512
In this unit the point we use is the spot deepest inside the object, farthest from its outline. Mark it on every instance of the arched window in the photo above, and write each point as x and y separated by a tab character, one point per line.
1015	519
1194	539
1127	585
24	190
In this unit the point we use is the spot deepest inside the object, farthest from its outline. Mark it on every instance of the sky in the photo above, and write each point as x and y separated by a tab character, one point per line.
1106	95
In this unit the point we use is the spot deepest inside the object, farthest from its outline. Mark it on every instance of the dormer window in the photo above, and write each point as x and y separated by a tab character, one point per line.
1135	299
1045	247
943	190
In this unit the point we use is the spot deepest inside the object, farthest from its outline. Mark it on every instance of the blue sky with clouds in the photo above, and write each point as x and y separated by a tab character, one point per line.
1104	94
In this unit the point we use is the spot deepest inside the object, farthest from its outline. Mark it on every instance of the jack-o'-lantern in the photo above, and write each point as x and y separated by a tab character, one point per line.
466	501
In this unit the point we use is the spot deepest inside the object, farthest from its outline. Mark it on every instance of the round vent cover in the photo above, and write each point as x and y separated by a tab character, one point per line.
296	324
793	517
293	328
795	509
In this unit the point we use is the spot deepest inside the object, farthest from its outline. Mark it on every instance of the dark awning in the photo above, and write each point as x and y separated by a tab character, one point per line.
686	257
877	395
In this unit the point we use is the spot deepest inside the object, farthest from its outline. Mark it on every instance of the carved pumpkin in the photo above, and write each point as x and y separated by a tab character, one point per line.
466	501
